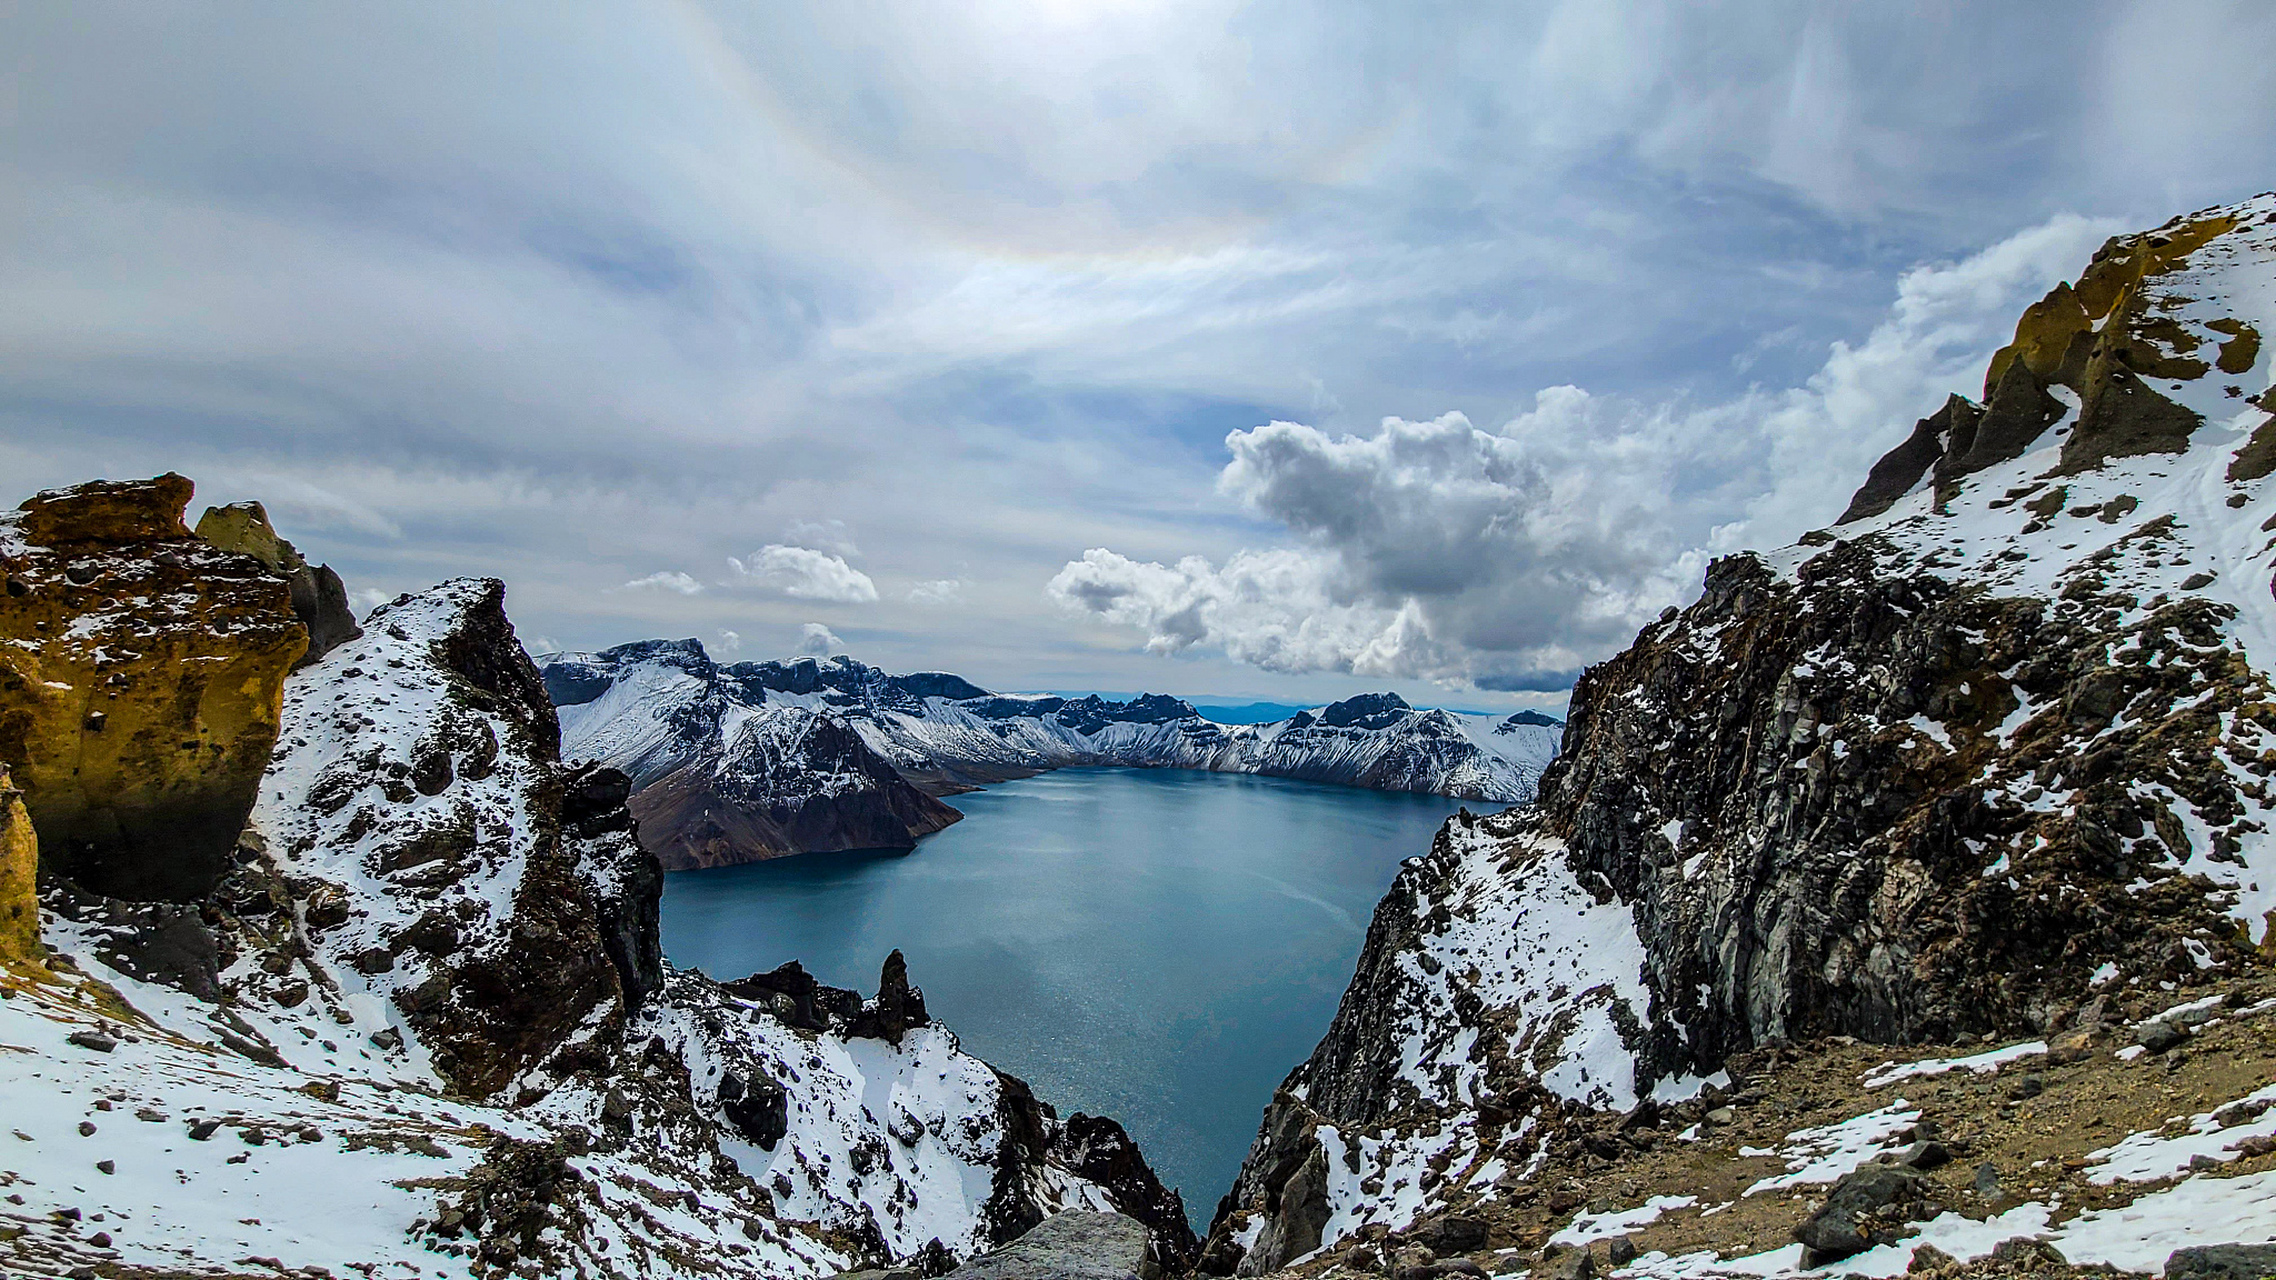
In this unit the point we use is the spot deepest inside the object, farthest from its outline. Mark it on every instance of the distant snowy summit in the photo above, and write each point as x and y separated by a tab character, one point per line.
751	760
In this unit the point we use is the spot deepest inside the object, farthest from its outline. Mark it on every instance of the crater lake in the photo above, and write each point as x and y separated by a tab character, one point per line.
1157	945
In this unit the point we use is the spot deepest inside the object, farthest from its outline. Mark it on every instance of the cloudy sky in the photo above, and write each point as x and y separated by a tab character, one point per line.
1264	349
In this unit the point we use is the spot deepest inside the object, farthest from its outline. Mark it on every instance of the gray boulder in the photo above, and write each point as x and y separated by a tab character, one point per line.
2222	1262
1067	1246
1861	1206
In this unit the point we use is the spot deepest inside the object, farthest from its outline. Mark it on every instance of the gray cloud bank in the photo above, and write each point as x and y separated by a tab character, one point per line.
589	294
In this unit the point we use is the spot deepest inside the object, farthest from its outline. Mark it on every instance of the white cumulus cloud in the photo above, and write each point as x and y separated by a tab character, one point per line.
667	580
803	573
729	641
1507	558
818	641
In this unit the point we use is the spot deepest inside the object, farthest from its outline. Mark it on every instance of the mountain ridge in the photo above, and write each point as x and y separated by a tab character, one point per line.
1991	757
730	738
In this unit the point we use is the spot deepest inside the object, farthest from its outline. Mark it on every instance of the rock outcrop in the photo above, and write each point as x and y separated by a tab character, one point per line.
141	670
319	598
2103	339
425	767
1068	1246
1993	755
425	994
19	878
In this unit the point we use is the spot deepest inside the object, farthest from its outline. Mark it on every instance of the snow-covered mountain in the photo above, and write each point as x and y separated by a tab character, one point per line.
758	759
416	1019
1990	758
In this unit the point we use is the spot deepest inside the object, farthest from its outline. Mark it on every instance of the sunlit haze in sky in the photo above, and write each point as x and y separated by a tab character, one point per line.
1272	350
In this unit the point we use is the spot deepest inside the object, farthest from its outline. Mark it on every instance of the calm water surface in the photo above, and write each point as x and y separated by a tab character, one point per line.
1156	945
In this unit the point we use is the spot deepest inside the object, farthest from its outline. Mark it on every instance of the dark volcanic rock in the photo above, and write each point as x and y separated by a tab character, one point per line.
1863	1207
1097	1148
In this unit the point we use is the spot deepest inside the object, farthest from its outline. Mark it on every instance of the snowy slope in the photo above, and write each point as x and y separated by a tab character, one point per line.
439	1034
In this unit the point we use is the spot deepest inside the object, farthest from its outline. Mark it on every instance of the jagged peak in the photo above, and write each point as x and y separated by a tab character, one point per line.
2119	363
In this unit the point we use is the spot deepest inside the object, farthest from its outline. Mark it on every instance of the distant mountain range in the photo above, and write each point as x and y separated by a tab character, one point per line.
740	762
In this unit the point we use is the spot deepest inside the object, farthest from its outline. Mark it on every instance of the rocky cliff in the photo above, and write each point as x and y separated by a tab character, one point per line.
19	874
420	1018
719	779
141	670
1991	757
759	759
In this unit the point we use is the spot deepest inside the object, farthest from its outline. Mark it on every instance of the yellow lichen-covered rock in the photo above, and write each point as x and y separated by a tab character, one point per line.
19	871
318	596
141	676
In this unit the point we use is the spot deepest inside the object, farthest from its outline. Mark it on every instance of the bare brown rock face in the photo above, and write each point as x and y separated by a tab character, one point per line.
141	671
19	870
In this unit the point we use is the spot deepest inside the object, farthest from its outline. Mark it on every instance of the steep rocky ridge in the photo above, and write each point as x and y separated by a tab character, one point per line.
1990	757
759	759
421	1019
141	670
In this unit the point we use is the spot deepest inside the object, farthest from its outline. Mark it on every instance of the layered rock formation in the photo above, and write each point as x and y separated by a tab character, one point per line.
141	670
19	873
426	999
760	759
1993	757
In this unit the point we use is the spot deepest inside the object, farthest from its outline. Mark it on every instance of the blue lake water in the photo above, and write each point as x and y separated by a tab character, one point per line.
1156	945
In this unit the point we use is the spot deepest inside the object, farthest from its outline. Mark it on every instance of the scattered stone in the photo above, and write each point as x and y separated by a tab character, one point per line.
95	1040
1921	1155
1572	1264
1860	1207
2030	1086
2028	1253
1928	1257
106	1166
2222	1262
2077	1046
86	1128
2158	1035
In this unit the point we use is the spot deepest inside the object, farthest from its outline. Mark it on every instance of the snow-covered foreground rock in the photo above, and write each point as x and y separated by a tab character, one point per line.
422	1027
1990	758
760	759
